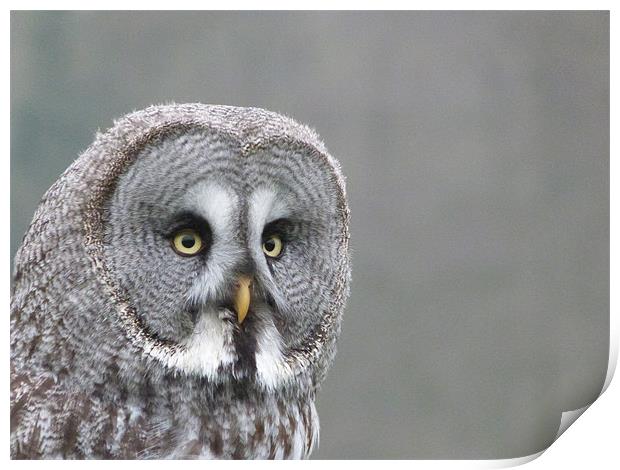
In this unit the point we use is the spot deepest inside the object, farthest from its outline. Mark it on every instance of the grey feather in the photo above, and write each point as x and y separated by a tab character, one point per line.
121	348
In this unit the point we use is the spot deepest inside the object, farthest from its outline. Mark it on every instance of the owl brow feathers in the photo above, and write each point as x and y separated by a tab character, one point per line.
93	223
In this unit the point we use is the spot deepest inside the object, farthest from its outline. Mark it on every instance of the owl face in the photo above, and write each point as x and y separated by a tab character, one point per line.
228	259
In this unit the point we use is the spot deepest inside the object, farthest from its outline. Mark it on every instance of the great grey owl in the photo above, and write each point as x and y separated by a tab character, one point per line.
179	292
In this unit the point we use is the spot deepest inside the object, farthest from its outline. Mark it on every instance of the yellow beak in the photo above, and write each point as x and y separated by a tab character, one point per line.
242	297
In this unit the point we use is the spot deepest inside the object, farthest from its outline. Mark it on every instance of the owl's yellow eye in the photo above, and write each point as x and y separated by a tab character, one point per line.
187	242
272	246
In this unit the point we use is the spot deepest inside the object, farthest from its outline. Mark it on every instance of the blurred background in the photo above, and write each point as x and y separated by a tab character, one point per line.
476	149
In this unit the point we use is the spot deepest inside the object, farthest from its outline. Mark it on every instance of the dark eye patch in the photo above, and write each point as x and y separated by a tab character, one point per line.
284	228
189	220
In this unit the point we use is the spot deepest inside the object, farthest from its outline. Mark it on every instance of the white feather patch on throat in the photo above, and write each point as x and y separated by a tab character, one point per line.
209	347
271	366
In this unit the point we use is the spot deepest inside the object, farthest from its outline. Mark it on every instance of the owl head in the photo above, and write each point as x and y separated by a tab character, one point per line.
219	238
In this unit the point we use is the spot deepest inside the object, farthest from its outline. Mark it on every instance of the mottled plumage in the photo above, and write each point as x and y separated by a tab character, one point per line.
124	347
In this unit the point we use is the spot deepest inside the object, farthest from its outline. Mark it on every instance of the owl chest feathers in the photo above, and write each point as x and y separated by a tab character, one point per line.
275	430
48	422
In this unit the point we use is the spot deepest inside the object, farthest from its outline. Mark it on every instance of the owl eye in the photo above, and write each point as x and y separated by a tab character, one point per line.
272	246
187	242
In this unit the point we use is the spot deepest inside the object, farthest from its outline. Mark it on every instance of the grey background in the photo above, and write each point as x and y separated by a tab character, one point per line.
476	147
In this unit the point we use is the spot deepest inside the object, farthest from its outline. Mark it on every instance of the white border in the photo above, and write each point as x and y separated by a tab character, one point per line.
592	442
